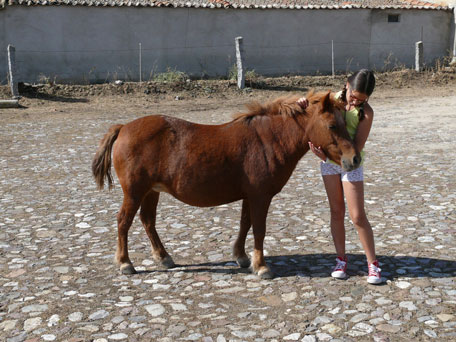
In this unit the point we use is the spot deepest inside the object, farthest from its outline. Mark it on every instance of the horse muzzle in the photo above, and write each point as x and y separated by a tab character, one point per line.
351	164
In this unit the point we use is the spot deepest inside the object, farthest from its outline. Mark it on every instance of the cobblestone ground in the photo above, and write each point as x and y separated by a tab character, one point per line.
58	235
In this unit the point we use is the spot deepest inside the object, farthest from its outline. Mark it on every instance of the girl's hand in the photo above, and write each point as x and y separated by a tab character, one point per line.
317	151
303	102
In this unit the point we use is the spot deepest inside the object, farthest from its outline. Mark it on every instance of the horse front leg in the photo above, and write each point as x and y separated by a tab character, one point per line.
125	218
239	245
258	213
148	214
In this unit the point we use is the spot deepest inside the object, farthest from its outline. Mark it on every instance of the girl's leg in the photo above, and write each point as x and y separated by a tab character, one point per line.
354	194
335	193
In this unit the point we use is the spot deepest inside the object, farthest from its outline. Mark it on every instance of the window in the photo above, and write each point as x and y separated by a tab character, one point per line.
393	18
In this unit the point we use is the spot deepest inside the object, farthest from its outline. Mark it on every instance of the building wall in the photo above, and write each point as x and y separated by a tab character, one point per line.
81	44
393	44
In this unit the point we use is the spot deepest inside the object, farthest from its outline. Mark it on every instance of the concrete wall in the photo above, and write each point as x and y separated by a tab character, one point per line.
81	44
393	43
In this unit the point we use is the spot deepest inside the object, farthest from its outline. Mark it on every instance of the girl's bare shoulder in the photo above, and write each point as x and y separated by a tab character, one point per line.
368	111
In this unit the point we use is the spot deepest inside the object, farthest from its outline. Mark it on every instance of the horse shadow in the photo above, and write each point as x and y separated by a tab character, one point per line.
320	266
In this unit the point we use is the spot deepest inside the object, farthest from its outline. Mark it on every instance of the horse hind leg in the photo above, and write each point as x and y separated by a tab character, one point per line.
125	218
148	214
239	245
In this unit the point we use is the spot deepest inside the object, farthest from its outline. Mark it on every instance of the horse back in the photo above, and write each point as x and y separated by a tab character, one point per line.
202	165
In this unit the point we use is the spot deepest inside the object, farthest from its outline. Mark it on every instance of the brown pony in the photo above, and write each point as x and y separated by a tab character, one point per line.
250	159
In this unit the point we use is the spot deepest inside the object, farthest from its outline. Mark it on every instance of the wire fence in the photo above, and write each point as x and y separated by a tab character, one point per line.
144	62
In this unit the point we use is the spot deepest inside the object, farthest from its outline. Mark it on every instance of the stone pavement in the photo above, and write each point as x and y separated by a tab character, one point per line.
58	235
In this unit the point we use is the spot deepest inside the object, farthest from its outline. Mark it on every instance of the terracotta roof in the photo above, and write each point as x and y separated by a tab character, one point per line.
262	4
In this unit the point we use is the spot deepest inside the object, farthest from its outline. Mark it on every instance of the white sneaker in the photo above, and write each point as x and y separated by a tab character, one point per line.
339	271
374	276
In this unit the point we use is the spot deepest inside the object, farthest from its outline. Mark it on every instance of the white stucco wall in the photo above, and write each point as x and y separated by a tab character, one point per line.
78	44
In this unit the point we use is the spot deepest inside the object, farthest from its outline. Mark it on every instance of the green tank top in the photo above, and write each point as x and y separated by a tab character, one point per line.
351	123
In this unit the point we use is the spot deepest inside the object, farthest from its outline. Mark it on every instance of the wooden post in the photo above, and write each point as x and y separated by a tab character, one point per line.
239	63
12	76
419	56
332	58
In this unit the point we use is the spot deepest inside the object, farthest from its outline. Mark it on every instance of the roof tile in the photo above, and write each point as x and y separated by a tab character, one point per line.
290	4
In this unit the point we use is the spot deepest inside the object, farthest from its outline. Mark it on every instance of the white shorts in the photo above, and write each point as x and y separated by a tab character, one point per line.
328	169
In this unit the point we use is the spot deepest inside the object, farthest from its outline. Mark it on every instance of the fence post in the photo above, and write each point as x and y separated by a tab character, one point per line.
419	56
332	58
239	63
12	71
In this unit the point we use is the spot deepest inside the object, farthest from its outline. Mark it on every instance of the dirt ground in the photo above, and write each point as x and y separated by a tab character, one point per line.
218	95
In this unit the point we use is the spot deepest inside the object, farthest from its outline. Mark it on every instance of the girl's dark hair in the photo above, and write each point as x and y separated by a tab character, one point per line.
362	81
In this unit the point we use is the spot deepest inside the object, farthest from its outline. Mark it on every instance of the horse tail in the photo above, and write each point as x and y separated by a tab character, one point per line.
101	163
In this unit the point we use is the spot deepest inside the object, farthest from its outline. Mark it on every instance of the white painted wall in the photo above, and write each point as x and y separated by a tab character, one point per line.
80	44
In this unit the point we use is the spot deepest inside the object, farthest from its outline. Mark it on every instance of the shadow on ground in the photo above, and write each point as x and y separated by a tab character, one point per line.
53	98
33	92
320	266
276	87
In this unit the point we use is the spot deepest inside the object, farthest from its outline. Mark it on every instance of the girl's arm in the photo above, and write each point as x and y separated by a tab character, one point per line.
364	127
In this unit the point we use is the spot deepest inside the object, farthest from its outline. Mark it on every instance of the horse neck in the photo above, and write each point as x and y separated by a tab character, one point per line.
291	135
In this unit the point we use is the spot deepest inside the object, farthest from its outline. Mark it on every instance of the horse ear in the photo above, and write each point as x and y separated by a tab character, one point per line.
326	102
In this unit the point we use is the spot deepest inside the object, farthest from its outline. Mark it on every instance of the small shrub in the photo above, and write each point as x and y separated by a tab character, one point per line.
43	79
232	73
250	75
171	76
441	63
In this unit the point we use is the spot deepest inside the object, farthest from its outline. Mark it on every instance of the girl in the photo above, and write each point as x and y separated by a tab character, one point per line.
358	117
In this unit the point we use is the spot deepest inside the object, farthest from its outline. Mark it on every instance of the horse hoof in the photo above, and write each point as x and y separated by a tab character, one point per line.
243	262
168	262
266	274
127	269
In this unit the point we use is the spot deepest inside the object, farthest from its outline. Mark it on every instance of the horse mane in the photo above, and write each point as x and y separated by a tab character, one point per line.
285	106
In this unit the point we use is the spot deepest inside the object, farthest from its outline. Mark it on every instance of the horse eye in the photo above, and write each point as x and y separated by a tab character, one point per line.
332	127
